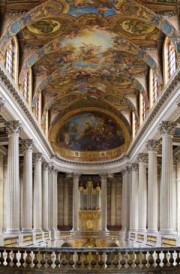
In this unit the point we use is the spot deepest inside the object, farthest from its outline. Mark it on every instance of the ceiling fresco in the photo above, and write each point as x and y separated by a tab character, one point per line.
90	55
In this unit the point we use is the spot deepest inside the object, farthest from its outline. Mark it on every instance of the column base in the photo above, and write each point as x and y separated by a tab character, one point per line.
55	234
27	230
36	230
167	232
152	231
12	231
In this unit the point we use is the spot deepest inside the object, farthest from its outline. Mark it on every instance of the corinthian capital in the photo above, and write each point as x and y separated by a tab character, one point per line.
37	157
2	102
142	158
45	166
27	144
152	145
12	127
135	167
167	127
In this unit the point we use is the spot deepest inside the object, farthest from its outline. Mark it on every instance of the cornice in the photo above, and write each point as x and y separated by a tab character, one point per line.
69	166
10	85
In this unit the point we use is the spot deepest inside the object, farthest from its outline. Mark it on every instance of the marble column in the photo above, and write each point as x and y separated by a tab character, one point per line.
126	200
113	202
55	200
37	210
142	193
50	200
104	203
45	197
178	195
166	213
6	195
13	214
66	202
152	147
1	193
134	197
76	199
27	196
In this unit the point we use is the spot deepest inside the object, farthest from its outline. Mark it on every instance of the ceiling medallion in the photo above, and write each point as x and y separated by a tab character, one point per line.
137	27
44	27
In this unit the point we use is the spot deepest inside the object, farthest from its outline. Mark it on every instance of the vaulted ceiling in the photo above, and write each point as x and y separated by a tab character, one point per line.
90	59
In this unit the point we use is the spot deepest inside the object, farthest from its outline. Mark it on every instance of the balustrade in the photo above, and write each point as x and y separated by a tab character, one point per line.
73	259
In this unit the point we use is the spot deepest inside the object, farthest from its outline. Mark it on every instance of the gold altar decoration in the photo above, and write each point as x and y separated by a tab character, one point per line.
89	220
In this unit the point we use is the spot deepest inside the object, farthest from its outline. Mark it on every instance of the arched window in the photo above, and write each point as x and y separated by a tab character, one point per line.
143	109
12	58
169	59
154	87
10	66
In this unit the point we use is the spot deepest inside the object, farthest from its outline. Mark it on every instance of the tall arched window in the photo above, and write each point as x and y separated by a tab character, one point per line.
12	58
10	62
169	58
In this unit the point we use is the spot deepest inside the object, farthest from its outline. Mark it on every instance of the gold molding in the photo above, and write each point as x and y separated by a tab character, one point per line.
89	155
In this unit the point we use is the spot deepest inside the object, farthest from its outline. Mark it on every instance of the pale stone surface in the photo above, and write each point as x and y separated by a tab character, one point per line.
166	212
27	193
152	147
37	212
13	210
45	197
134	197
142	192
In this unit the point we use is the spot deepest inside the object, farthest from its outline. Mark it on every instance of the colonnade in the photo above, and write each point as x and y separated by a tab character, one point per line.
37	211
144	190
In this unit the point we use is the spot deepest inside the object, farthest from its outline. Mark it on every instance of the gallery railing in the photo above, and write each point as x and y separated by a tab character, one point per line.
73	259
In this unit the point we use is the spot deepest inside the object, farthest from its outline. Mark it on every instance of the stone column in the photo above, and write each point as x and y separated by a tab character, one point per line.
113	202
75	201
55	200
1	193
6	195
142	193
152	147
13	214
166	215
104	203
37	212
50	204
45	197
178	195
126	200
27	193
66	202
134	197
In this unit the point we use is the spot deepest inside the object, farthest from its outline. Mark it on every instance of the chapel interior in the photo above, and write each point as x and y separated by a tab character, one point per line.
89	135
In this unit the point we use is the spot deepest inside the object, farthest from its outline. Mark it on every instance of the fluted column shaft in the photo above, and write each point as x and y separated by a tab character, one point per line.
178	195
142	193
104	202
55	200
37	192
50	204
1	194
45	197
134	197
66	203
113	202
75	201
126	199
166	211
152	146
13	215
27	186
